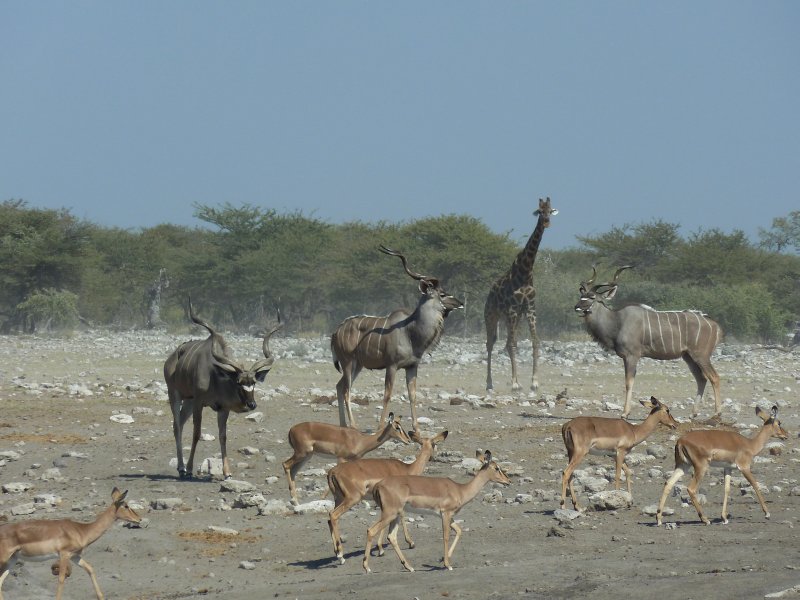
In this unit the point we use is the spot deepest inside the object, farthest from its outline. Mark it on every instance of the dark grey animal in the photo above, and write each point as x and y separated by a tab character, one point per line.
637	330
201	373
396	341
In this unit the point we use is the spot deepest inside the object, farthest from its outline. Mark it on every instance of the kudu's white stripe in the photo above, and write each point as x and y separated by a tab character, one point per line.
661	333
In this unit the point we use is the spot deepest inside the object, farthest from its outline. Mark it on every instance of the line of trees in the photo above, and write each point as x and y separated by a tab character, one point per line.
247	263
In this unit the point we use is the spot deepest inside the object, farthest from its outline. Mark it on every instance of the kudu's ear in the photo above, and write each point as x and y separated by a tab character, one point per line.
261	374
610	292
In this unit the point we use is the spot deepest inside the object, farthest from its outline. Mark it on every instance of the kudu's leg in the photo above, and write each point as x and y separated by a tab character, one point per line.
630	374
180	414
349	372
197	423
531	314
491	339
388	386
222	427
411	387
700	378
710	373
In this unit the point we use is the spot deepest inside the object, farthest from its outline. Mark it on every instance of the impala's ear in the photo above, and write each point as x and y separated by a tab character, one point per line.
764	415
391	417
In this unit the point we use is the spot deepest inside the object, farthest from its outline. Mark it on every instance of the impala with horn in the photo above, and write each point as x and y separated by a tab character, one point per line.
396	341
637	331
201	373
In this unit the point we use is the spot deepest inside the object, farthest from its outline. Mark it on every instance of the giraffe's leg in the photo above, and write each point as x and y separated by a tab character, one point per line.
531	314
491	319
511	346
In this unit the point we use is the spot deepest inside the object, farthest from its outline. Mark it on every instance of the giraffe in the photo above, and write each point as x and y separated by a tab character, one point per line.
512	296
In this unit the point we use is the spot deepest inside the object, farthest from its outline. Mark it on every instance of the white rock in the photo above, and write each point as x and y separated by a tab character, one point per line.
255	417
314	507
564	515
166	503
211	466
234	485
274	507
610	500
121	418
223	530
16	487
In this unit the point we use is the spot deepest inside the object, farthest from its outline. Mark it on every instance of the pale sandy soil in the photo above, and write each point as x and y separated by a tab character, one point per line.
509	549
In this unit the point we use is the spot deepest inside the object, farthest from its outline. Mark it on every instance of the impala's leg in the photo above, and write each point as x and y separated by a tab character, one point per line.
726	496
393	527
490	318
406	534
388	386
63	559
197	423
566	480
745	470
411	386
447	520
673	479
694	484
222	426
291	467
455	527
333	522
88	568
630	363
511	345
531	314
382	523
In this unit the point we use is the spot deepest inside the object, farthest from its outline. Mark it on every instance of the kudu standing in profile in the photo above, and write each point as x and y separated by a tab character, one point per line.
637	330
396	341
201	373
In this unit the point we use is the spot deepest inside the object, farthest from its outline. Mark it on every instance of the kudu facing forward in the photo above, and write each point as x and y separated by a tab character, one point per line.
637	330
396	341
200	373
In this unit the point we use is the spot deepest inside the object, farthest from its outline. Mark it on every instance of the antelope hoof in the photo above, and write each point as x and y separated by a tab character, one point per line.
341	559
228	476
766	515
366	567
706	521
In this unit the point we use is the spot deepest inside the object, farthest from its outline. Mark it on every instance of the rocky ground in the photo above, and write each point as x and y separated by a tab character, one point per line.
83	414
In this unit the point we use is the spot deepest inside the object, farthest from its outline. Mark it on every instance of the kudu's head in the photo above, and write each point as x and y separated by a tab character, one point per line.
243	378
428	286
660	409
600	292
545	211
771	420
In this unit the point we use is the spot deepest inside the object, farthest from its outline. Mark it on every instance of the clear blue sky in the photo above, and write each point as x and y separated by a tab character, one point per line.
128	113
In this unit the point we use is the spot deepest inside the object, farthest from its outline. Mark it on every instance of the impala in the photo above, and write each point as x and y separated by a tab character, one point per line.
602	435
345	443
45	539
350	482
439	494
703	448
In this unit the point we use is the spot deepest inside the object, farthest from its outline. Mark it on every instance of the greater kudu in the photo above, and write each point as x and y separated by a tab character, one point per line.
396	341
637	331
200	373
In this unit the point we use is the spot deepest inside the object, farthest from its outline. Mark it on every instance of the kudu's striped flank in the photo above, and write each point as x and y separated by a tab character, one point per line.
392	342
201	373
637	331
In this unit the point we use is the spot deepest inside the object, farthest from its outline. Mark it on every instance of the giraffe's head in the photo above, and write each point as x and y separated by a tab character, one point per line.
545	211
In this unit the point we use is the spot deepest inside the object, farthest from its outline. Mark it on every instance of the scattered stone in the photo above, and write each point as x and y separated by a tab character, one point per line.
314	507
234	485
652	509
255	417
121	418
166	503
564	515
16	487
223	530
23	509
247	565
274	507
610	500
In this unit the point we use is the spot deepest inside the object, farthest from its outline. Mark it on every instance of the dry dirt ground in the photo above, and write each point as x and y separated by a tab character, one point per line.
58	397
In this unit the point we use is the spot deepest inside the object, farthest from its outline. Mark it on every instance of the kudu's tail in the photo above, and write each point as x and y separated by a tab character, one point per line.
333	353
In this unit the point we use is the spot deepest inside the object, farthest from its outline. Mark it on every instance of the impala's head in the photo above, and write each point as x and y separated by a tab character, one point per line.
545	211
600	292
771	420
431	441
123	512
496	474
660	409
394	430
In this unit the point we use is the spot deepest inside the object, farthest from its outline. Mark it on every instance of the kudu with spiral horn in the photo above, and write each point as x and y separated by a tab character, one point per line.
201	373
637	331
392	342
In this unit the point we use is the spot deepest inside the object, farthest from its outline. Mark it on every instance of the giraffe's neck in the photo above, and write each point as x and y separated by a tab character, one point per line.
523	264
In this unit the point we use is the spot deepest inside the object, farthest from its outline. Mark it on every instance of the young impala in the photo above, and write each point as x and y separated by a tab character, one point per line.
350	482
602	435
703	448
44	539
439	494
345	443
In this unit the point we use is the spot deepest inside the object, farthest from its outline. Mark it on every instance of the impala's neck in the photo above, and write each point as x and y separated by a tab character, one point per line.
643	430
422	458
759	440
100	525
369	442
470	489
